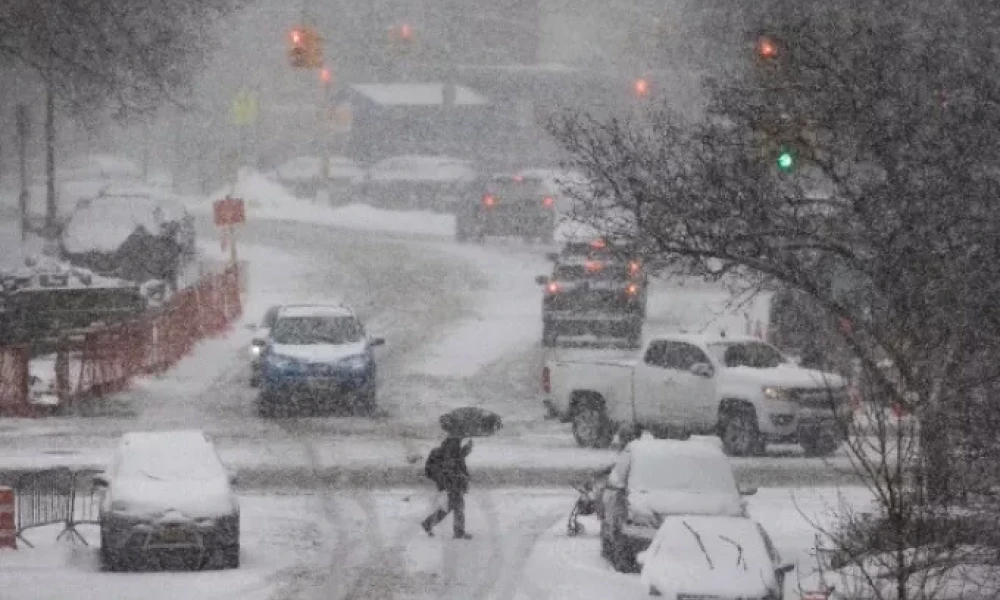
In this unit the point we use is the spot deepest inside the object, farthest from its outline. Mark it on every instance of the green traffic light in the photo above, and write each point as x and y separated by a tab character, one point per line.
786	160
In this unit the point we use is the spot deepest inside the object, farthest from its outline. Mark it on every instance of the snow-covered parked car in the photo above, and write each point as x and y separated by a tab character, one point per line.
653	479
315	357
167	495
133	233
739	388
724	557
302	174
418	182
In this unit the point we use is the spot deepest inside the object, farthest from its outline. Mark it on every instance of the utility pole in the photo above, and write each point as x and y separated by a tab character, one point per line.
22	159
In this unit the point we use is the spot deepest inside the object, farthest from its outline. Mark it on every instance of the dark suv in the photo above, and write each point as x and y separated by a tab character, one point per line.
513	205
594	289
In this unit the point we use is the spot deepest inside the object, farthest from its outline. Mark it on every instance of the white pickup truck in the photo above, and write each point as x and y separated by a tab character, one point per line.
739	388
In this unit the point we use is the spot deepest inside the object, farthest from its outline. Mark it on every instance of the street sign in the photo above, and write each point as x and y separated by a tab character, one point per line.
245	108
228	212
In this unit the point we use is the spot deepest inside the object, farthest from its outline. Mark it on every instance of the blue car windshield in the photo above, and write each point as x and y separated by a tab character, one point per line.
301	331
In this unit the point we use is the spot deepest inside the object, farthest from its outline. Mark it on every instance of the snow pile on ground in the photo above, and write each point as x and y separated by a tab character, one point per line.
104	221
306	168
267	199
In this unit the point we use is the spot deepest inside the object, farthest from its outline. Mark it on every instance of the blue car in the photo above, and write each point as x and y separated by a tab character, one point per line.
317	358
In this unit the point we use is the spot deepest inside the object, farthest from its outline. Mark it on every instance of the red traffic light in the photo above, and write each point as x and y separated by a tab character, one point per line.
767	48
641	87
405	31
297	36
325	75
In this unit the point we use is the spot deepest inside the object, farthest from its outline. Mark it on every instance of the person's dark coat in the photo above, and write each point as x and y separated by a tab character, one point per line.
454	472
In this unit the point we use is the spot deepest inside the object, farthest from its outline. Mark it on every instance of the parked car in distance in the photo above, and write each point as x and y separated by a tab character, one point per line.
166	495
506	205
709	556
653	479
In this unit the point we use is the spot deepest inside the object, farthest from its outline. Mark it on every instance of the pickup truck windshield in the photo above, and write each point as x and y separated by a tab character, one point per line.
316	330
756	355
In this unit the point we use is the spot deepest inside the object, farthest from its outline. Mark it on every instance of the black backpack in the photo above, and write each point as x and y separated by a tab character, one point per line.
434	466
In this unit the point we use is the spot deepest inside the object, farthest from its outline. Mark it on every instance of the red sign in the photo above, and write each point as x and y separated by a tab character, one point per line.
229	211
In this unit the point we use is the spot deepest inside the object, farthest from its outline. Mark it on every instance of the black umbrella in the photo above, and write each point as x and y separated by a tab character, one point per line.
470	421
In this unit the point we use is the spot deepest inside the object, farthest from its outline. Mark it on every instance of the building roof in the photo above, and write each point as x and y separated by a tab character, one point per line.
416	94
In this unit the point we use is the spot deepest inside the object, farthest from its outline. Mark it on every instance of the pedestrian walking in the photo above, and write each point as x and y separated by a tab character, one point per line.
447	469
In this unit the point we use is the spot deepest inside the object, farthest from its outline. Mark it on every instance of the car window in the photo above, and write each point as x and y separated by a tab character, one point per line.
682	356
757	355
656	354
316	330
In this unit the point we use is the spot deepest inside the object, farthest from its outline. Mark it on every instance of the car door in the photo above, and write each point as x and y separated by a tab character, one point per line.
652	385
691	396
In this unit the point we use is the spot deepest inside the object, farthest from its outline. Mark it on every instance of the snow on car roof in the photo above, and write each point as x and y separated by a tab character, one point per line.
316	310
690	448
706	338
169	456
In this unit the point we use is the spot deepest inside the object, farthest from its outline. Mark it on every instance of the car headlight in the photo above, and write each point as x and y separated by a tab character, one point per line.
255	350
777	393
355	363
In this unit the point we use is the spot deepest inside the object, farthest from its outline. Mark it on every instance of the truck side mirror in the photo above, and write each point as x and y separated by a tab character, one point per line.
541	280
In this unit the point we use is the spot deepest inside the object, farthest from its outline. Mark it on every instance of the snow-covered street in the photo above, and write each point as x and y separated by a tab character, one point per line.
368	545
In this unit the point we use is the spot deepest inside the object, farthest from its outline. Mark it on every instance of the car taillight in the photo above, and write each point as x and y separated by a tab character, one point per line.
489	200
552	288
592	266
548	202
546	380
632	289
633	268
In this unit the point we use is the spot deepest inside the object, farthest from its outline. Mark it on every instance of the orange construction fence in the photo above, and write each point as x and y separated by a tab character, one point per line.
106	360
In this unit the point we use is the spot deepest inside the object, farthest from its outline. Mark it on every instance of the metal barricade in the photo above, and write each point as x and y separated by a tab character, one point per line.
56	496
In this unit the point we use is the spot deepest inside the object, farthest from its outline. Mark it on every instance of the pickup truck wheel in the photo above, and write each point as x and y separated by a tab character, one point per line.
591	427
740	435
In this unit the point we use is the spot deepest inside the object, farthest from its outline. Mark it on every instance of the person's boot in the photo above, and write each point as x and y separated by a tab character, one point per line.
428	528
463	536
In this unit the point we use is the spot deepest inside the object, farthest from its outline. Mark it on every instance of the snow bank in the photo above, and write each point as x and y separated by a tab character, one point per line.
267	199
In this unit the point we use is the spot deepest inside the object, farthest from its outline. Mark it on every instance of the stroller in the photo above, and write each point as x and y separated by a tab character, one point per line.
587	502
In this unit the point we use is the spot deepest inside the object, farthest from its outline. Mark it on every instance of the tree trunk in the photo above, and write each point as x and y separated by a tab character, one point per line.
51	209
935	467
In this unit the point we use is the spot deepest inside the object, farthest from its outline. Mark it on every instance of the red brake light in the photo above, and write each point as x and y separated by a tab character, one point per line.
548	201
518	178
598	244
632	289
552	288
593	266
633	268
489	200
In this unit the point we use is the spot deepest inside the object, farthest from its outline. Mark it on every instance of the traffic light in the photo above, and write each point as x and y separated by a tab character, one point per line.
325	76
641	87
306	51
786	159
767	48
